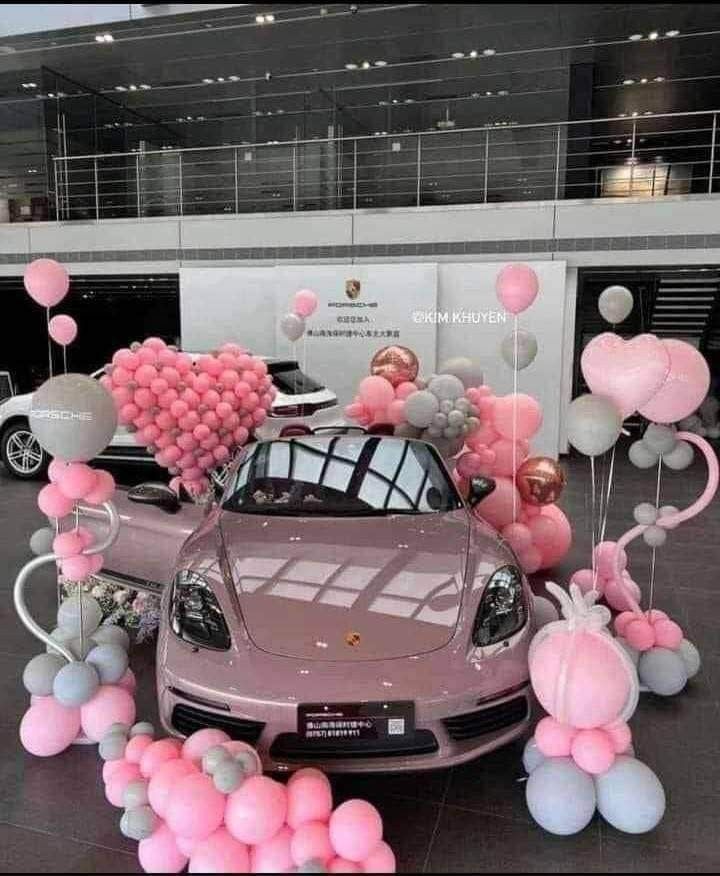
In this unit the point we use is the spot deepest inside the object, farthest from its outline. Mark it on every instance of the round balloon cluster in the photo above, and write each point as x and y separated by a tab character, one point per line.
77	699
580	757
292	324
204	803
379	400
190	413
609	577
706	420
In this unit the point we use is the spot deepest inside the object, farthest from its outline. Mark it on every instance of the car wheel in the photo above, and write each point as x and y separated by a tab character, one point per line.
21	452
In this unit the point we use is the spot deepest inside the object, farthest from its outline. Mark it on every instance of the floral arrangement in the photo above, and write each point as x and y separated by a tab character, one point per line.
135	610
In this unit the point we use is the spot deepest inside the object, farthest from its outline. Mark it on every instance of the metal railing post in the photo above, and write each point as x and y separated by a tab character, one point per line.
712	154
557	165
419	171
237	192
180	184
137	184
487	160
294	178
632	157
355	180
97	193
57	193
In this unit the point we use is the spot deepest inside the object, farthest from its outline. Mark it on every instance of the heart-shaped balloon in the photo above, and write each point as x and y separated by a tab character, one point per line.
191	413
627	372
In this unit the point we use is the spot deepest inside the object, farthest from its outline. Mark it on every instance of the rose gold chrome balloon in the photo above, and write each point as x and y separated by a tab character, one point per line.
395	363
540	480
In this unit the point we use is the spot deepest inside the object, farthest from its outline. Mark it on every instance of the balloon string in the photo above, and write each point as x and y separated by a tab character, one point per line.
611	474
654	550
65	358
50	362
515	404
592	520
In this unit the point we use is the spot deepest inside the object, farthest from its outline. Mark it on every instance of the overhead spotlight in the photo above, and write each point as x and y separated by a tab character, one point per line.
259	19
659	79
672	33
653	35
234	78
409	100
351	66
503	93
120	88
353	8
488	52
382	103
208	81
488	94
32	170
104	38
323	10
648	113
268	75
635	113
458	55
270	18
628	82
145	87
634	37
280	112
220	79
643	81
381	63
395	100
51	94
132	87
29	85
366	65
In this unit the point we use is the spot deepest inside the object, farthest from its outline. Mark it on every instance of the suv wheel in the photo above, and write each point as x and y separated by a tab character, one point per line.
21	452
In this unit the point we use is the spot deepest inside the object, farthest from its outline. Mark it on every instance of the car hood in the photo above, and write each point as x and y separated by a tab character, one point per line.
348	588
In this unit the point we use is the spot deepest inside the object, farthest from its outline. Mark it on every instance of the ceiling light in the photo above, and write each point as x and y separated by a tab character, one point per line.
672	33
488	94
208	81
132	87
659	79
200	119
50	94
647	113
628	82
145	86
120	88
653	35
365	65
259	19
622	115
383	103
635	113
381	63
488	52
617	142
104	38
29	85
458	55
409	100
268	75
503	93
395	100
473	53
32	170
351	66
643	81
189	118
234	78
635	37
270	18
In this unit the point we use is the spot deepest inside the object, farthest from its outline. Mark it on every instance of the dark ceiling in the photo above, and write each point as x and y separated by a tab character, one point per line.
221	77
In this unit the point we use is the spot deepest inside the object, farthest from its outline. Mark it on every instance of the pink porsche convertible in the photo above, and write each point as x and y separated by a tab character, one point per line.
338	605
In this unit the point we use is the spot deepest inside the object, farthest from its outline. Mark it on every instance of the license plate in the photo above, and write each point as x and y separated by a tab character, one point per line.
356	722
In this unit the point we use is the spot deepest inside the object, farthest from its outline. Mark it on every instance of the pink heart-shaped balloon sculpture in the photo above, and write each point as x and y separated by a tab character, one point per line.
627	372
192	413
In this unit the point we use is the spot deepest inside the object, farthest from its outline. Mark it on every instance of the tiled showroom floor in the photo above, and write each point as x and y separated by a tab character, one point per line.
54	818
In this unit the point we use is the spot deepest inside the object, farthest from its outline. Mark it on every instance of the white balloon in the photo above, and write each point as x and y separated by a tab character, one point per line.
446	386
464	369
615	304
630	796
593	424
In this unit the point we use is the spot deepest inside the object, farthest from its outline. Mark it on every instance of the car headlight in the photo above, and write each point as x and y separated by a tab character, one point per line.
195	614
502	610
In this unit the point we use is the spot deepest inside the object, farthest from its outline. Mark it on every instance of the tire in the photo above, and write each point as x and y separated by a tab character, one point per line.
21	453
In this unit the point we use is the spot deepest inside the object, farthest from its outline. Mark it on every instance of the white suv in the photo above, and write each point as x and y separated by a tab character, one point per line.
299	399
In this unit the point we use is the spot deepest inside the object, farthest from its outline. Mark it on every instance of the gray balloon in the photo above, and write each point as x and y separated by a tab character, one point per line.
463	405
630	796
420	408
446	405
641	456
138	824
214	757
142	728
440	419
73	417
666	511
111	634
452	432
615	304
292	326
81	647
41	541
464	369
112	747
593	424
248	761
662	671
228	776
661	439
110	661
435	431
68	616
446	387
135	794
645	513
75	684
655	536
560	796
314	865
446	447
64	637
117	727
544	611
527	347
406	430
456	418
39	674
632	653
532	756
690	657
679	458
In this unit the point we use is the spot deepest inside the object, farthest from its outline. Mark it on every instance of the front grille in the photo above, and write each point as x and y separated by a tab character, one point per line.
188	719
290	746
489	720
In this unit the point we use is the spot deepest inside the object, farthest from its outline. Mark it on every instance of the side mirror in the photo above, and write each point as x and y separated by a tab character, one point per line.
156	494
480	488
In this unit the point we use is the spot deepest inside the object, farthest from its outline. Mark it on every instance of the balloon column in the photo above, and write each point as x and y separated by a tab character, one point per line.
190	413
204	803
580	757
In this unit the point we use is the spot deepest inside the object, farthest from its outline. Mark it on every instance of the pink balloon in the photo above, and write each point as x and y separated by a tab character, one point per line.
381	860
628	372
56	469
128	413
115	787
523	423
668	634
584	578
147	356
340	865
620	736
305	302
376	392
219	853
497	508
553	738
128	682
63	329
112	768
516	287
468	465
518	536
640	634
103	489
483	436
621	594
273	855
159	853
308	799
47	728
311	842
166	357
686	384
543	530
553	553
157	754
307	772
121	376
403	390
256	811
509	455
605	558
77	480
198	743
145	375
136	747
188	846
121	396
67	544
530	559
53	502
355	829
171	375
96	562
164	779
46	281
85	536
110	705
76	568
593	751
196	807
126	359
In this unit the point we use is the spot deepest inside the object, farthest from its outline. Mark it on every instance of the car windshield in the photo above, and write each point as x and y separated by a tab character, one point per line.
289	379
334	476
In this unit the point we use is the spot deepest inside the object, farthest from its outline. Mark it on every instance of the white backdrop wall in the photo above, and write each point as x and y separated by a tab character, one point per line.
439	311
